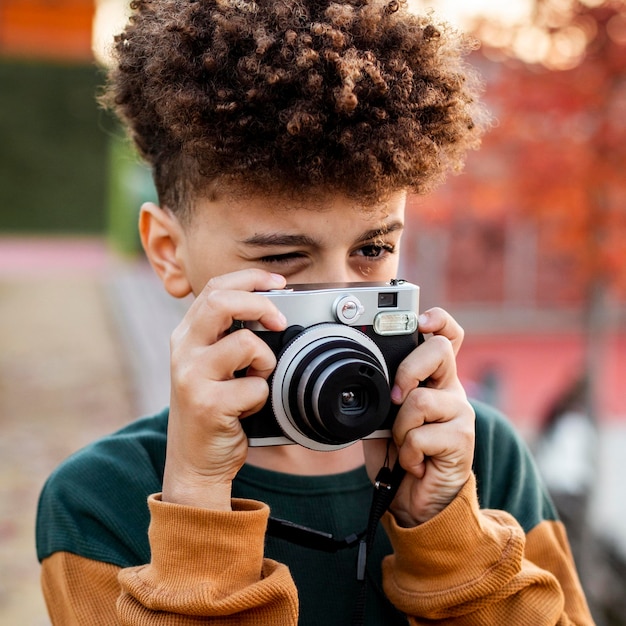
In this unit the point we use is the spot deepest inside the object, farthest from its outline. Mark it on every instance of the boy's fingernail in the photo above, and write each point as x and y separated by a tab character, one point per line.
278	280
422	319
396	394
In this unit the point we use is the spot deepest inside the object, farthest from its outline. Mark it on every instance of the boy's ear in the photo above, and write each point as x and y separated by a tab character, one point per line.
162	238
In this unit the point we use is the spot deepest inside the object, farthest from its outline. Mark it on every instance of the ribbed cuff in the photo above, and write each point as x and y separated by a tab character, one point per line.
195	546
208	564
458	555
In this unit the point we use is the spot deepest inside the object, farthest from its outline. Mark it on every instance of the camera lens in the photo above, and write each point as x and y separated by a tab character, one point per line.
353	399
333	389
343	395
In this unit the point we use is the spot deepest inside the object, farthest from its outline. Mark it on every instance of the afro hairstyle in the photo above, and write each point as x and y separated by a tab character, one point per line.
360	97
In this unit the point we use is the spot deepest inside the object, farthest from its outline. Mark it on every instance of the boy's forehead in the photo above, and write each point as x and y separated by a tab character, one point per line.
242	213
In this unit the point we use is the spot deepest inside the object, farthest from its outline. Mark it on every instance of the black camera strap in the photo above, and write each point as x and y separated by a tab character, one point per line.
385	489
309	537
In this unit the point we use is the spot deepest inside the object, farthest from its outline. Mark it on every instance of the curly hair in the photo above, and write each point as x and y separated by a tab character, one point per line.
360	97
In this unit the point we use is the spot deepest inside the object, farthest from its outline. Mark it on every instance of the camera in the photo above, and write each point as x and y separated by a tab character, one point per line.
335	362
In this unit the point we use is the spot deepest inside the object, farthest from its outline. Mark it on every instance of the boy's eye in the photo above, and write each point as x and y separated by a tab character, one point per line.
374	251
281	258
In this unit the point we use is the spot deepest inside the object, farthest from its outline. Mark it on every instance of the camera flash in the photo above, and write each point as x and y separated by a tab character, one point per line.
395	323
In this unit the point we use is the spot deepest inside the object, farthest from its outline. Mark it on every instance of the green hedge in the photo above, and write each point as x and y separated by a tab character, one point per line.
53	148
129	186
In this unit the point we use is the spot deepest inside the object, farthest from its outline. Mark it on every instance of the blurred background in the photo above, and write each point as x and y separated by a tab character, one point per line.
526	248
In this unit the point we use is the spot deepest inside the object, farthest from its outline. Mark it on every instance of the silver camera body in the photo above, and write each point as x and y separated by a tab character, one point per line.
335	363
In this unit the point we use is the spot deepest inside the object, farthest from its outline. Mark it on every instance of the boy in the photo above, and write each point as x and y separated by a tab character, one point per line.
284	136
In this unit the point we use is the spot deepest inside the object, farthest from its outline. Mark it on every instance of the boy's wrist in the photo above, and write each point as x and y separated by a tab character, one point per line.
198	492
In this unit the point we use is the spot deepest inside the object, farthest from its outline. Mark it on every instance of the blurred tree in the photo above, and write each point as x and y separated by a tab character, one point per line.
560	98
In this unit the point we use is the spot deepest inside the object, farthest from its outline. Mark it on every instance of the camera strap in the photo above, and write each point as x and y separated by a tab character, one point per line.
309	537
385	489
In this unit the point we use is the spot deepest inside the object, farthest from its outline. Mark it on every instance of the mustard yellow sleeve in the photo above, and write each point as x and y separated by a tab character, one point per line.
205	564
476	567
78	590
548	547
209	564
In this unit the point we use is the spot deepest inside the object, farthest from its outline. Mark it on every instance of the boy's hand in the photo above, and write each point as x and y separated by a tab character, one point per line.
206	445
434	430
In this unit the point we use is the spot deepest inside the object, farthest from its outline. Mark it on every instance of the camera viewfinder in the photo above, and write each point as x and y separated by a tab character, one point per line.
387	299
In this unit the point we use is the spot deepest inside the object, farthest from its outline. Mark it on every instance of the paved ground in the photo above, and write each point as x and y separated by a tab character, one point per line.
65	379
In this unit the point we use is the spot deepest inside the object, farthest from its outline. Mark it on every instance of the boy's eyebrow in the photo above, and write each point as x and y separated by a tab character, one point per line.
385	229
279	239
285	239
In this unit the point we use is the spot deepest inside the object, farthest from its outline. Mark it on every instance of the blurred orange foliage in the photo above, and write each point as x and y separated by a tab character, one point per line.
556	158
48	29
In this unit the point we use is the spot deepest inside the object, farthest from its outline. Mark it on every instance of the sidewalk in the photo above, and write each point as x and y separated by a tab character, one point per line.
66	379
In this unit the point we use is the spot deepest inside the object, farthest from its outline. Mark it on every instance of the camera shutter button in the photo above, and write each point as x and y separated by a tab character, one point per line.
348	309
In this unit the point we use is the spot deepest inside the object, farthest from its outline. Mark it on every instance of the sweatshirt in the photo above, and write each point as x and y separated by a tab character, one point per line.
113	553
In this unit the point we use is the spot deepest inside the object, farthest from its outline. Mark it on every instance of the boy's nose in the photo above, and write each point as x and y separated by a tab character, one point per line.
334	272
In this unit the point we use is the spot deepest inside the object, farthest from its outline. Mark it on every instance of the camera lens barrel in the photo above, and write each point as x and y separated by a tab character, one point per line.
321	395
330	387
